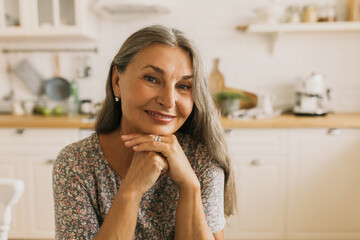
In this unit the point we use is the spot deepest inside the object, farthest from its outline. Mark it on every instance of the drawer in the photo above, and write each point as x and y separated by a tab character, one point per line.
256	141
31	140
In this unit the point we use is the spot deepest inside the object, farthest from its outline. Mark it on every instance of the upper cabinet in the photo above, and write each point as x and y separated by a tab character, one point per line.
44	19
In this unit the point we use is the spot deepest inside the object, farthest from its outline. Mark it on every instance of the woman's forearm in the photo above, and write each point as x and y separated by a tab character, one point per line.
190	222
120	222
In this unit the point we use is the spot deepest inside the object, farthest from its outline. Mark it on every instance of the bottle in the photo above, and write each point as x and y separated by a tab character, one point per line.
216	79
353	8
73	101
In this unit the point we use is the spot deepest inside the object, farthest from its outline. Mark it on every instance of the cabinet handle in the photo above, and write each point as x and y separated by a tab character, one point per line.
49	162
20	131
257	162
334	131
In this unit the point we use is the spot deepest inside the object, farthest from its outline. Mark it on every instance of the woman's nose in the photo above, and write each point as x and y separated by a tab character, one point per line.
167	97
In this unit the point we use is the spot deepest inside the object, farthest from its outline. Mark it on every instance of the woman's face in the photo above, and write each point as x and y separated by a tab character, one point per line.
155	90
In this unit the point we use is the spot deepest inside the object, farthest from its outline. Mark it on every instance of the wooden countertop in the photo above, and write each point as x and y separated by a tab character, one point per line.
338	120
35	121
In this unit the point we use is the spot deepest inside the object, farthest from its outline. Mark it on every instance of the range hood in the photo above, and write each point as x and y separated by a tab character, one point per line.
112	9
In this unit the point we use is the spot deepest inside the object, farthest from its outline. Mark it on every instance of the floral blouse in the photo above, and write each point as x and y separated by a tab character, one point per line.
85	185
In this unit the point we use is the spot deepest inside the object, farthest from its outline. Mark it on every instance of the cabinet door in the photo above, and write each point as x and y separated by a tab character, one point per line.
47	19
28	154
324	195
53	15
259	162
11	167
41	207
13	17
260	192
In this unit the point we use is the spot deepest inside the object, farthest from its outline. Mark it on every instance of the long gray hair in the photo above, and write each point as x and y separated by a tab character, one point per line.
203	123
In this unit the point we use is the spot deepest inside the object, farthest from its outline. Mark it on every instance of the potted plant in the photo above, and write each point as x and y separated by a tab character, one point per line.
229	101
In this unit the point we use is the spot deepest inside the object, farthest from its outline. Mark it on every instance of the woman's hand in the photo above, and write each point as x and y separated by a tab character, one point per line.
180	169
145	169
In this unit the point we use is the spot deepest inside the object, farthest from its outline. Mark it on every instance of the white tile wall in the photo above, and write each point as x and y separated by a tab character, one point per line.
244	58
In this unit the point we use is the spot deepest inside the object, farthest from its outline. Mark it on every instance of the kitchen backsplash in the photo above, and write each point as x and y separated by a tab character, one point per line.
245	59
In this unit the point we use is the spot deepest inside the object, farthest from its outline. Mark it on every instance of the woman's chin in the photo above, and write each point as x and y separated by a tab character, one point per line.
161	132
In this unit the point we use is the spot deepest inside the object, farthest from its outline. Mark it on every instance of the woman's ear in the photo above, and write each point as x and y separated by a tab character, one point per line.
115	82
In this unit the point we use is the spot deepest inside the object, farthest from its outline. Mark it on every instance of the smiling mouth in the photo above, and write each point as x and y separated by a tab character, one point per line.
159	115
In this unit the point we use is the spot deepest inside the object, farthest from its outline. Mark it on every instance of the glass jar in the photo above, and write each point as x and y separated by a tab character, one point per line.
310	14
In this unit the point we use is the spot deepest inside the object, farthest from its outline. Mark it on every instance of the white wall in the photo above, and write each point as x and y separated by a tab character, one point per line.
245	59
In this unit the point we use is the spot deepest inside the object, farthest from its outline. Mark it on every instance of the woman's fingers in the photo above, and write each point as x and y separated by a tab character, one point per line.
136	139
151	146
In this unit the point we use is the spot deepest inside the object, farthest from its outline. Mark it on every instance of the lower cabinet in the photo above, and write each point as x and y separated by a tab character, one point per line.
260	189
259	166
28	154
296	184
291	183
324	184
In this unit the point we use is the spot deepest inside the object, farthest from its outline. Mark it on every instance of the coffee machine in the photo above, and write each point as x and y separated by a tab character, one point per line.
312	97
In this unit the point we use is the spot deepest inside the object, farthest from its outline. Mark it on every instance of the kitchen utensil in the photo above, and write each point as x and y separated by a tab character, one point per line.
266	103
30	76
216	79
10	95
57	88
312	97
28	107
86	107
17	108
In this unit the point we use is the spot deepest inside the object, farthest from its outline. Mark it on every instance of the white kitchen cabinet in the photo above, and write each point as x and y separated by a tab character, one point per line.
259	158
39	172
28	154
11	167
47	19
14	17
324	184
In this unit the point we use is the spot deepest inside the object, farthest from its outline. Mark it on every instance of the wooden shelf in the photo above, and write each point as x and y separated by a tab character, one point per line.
276	29
301	27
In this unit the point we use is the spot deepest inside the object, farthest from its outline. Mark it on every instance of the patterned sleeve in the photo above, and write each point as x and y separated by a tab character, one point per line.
212	180
75	216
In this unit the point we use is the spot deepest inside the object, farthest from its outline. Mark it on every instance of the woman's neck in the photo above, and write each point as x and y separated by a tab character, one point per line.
116	153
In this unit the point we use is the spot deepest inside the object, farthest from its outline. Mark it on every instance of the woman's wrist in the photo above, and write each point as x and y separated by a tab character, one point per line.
192	185
130	194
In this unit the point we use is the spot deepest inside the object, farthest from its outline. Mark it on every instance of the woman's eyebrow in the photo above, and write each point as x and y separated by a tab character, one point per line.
162	72
156	69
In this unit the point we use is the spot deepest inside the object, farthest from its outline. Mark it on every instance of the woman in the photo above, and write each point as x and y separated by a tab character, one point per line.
157	166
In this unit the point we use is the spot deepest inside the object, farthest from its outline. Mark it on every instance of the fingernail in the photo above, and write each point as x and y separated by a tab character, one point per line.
136	147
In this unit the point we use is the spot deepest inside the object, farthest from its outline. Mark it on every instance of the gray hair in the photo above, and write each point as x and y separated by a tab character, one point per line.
203	123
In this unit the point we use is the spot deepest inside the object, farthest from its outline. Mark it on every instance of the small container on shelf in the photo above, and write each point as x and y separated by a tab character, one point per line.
86	107
293	14
353	10
326	13
310	14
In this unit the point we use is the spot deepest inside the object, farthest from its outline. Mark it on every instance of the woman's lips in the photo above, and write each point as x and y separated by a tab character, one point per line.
160	116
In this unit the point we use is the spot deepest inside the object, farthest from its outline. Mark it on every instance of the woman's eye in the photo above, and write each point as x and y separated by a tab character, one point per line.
150	79
185	87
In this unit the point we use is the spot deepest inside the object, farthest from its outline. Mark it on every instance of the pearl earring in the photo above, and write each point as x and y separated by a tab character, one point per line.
117	99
